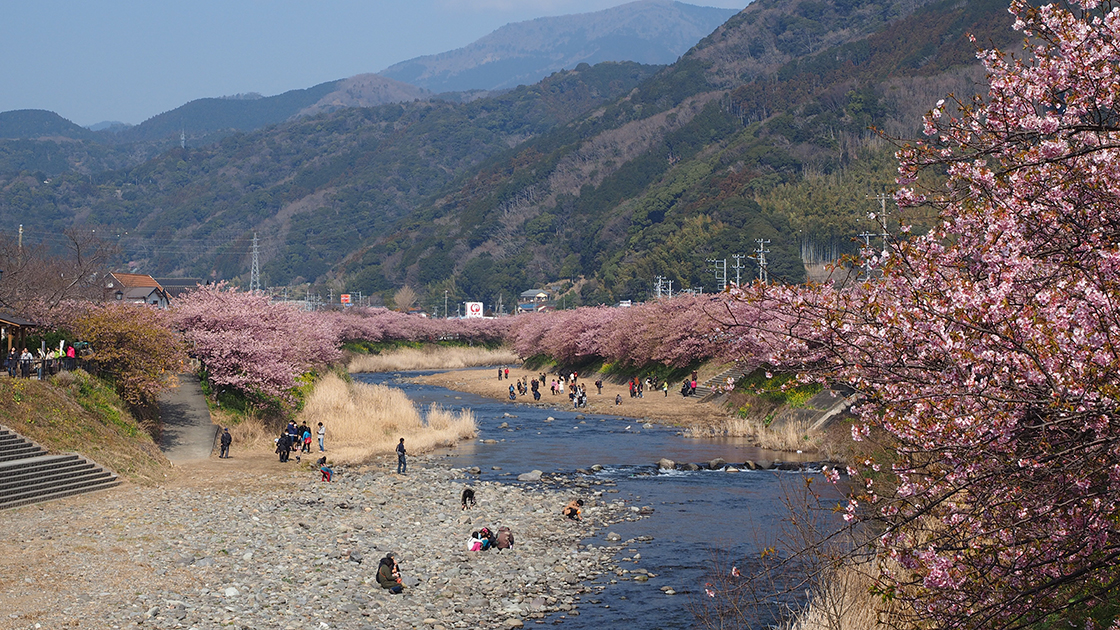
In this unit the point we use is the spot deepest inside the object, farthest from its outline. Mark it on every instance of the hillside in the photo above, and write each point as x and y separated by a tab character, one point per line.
647	31
606	175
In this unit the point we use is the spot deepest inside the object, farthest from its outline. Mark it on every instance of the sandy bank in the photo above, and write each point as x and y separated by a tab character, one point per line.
673	409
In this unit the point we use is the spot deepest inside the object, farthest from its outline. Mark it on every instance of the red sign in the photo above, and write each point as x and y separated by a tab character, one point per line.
345	297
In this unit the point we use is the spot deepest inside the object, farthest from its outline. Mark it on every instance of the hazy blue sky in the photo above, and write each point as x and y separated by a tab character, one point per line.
128	60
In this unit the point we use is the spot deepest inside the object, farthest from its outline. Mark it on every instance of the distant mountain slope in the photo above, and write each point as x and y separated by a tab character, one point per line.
40	123
364	90
205	116
647	31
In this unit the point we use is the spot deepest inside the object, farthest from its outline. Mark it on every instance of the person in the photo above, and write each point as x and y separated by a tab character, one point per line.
507	373
475	543
389	575
284	446
322	433
226	440
617	399
326	471
12	363
306	434
574	510
499	374
402	465
504	539
512	394
468	498
25	359
71	358
488	538
665	387
599	386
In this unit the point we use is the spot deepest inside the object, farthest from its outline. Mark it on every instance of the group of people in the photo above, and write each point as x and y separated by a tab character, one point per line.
295	438
24	364
524	387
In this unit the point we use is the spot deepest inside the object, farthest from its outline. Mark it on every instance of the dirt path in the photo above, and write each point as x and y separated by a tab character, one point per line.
673	409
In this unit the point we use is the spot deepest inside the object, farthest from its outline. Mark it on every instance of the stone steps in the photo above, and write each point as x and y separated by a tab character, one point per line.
28	474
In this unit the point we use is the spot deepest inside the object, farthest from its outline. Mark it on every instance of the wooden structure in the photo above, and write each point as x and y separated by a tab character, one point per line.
15	330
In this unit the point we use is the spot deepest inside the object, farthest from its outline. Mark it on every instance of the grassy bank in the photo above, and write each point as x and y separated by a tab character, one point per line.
75	412
432	358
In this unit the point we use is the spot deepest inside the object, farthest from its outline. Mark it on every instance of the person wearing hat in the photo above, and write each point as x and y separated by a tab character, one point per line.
574	510
226	440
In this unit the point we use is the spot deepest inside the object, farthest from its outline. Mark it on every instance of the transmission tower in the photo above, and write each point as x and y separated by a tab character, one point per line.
255	274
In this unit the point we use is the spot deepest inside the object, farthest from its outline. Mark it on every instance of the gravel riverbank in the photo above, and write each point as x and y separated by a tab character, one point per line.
249	543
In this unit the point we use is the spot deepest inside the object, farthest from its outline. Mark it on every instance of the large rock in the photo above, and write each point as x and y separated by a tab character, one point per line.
763	464
717	463
666	464
533	475
690	467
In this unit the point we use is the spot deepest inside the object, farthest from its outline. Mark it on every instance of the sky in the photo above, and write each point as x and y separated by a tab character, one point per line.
128	60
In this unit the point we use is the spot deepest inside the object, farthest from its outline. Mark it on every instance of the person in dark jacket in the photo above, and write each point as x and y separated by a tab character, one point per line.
226	440
389	575
402	463
284	446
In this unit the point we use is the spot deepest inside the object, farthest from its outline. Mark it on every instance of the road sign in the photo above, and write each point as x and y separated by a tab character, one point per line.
474	309
345	297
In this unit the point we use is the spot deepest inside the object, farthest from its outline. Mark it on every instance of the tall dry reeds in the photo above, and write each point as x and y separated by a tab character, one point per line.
432	358
843	600
364	421
786	436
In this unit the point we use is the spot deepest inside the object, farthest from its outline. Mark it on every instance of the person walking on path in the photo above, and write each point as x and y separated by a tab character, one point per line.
226	440
322	433
402	465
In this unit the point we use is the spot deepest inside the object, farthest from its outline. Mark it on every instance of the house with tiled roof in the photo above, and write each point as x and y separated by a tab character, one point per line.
135	288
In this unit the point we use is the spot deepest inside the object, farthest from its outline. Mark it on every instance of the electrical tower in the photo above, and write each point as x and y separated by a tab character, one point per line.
255	273
720	268
866	236
882	218
763	274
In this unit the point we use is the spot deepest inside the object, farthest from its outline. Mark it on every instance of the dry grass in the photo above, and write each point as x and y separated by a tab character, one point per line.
788	436
432	358
364	421
844	602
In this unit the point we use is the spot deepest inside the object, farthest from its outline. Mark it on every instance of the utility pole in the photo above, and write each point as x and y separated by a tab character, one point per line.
445	304
738	267
255	272
658	279
866	236
763	274
882	218
719	266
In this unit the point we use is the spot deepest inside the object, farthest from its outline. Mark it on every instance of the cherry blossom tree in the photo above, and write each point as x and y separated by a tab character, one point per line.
989	350
248	343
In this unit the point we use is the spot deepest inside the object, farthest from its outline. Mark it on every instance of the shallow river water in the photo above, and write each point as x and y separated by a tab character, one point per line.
698	517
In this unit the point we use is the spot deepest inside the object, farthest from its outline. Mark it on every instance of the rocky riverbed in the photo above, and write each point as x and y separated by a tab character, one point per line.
226	545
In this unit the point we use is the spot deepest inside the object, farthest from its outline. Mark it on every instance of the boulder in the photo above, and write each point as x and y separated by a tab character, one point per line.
666	464
763	464
534	475
749	465
690	466
717	463
474	470
597	467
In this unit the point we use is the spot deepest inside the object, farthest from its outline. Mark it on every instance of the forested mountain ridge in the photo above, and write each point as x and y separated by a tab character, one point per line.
607	175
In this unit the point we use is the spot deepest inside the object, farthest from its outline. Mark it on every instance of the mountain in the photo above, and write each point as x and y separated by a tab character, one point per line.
606	176
647	31
39	123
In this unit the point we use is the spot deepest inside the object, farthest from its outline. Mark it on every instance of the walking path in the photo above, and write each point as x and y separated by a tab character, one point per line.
187	434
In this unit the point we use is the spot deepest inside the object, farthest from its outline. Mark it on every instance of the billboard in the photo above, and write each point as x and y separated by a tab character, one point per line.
474	309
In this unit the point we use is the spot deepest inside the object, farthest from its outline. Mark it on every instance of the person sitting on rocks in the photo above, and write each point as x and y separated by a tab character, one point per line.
475	542
468	498
504	539
574	510
617	399
327	471
389	575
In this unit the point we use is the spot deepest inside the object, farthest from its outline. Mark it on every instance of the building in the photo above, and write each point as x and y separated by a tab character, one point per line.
533	300
135	288
174	287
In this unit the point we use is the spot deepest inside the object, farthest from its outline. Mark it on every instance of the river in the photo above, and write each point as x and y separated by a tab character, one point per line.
700	519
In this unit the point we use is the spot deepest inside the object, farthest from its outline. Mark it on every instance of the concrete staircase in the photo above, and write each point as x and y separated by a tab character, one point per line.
28	474
713	387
